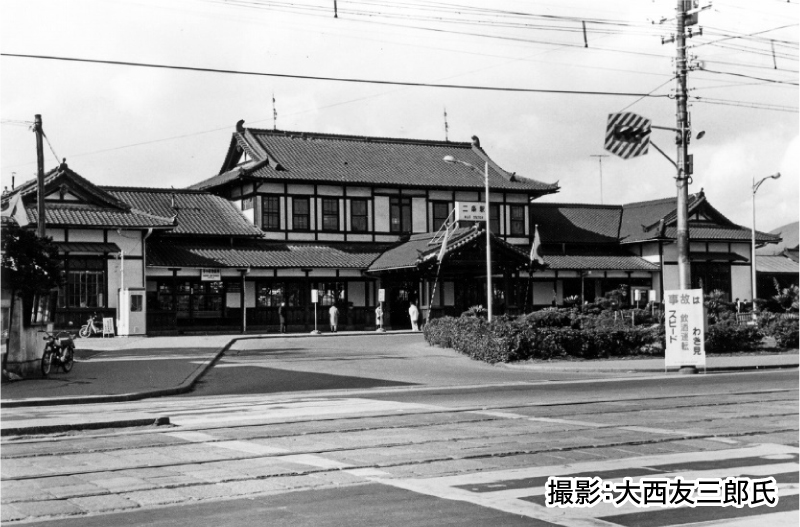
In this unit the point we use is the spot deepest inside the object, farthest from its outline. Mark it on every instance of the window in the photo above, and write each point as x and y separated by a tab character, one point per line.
494	218
300	214
358	215
270	213
400	215
85	283
330	214
441	211
517	220
331	293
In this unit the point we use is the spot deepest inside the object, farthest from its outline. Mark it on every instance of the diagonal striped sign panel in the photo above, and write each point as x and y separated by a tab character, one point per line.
627	134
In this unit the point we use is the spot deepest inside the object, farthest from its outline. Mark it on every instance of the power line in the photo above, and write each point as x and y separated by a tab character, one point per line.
331	79
749	77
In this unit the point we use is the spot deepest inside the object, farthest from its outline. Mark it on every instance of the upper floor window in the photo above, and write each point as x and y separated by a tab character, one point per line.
330	214
270	213
494	218
358	215
300	214
400	215
441	211
517	220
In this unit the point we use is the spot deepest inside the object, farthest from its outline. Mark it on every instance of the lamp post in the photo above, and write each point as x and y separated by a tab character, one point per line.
753	256
489	292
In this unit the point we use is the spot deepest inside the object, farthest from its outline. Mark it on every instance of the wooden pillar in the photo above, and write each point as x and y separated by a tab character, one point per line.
242	304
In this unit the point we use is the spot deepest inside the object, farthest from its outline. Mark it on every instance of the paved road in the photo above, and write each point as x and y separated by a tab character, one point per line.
411	452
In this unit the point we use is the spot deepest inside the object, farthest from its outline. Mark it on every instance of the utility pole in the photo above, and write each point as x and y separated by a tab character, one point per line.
682	140
37	128
600	161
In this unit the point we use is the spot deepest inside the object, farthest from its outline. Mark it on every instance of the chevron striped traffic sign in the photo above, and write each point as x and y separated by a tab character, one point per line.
627	135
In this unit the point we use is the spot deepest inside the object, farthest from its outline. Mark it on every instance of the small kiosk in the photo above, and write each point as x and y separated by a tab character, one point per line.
132	313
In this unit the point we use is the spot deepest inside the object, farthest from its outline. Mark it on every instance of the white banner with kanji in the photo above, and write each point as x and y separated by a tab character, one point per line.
684	322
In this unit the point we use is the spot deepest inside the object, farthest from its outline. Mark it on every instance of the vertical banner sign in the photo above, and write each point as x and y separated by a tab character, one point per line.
685	328
314	296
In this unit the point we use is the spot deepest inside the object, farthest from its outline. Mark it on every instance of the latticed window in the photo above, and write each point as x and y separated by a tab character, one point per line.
300	214
400	214
441	211
270	213
494	218
85	283
330	214
517	220
358	215
331	293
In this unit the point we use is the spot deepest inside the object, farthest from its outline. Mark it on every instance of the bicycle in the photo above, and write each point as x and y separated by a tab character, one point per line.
58	351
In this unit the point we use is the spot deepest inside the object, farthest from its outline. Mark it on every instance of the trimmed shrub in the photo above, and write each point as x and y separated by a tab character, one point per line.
780	327
439	332
726	337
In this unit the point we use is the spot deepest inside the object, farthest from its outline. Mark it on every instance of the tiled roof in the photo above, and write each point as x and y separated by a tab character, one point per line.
576	223
87	247
776	264
300	156
640	221
599	263
176	252
198	213
424	248
83	215
732	233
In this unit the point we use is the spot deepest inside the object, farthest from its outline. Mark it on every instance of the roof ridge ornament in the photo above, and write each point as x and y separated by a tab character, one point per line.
240	126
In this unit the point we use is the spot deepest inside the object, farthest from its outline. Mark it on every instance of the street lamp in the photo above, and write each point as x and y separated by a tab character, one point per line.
753	257
489	293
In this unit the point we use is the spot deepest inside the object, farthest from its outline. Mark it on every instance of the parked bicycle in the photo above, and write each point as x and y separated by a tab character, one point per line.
93	326
59	350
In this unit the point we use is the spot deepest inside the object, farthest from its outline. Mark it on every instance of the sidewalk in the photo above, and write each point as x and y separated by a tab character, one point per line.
127	369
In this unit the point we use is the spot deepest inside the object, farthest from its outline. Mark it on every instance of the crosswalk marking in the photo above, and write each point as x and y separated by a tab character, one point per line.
521	491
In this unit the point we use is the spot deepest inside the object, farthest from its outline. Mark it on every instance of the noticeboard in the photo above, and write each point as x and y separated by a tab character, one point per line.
684	323
314	296
108	327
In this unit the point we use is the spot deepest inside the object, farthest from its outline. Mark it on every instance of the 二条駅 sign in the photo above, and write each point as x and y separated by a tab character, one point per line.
470	211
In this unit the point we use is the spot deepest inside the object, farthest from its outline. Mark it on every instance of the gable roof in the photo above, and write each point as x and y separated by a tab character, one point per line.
92	206
330	158
576	223
195	212
657	219
776	263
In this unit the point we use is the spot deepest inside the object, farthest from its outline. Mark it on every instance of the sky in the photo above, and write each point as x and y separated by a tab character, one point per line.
161	127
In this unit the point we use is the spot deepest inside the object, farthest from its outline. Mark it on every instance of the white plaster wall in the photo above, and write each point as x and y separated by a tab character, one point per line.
133	278
359	238
301	236
670	252
467	196
717	247
330	237
743	249
129	241
250	214
742	283
381	214
516	198
330	190
697	247
271	235
671	280
358	192
441	195
418	223
294	188
271	188
56	234
86	235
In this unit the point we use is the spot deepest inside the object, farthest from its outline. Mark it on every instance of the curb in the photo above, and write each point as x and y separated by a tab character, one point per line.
54	429
184	387
547	367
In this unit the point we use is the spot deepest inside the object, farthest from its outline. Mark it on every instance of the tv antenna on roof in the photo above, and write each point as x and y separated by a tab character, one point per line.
600	161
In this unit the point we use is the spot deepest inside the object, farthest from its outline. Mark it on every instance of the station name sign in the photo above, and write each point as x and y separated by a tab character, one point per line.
210	275
471	211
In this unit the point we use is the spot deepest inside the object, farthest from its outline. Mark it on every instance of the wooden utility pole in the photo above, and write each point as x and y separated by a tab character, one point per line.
37	128
682	140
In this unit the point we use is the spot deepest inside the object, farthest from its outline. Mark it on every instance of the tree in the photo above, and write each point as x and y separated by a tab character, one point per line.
30	265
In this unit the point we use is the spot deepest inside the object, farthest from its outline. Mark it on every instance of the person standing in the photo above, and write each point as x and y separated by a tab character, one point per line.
282	316
413	314
333	312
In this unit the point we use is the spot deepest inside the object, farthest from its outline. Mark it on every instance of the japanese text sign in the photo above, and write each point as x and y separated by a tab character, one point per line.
467	211
684	324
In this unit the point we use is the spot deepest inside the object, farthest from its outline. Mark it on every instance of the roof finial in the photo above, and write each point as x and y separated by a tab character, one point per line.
240	126
475	141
